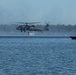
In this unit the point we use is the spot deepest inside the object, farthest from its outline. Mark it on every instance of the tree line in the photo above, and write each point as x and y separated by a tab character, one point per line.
52	28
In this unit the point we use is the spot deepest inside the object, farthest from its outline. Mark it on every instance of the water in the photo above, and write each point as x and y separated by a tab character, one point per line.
37	56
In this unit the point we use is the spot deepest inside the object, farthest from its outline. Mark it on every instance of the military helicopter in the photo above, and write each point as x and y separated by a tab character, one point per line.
31	26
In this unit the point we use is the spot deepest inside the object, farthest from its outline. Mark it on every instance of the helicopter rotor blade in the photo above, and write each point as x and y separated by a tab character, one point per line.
28	22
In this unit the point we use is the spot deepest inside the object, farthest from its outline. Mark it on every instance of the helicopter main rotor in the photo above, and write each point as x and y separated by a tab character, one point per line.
26	23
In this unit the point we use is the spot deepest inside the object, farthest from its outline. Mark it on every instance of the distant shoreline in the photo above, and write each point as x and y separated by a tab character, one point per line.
37	36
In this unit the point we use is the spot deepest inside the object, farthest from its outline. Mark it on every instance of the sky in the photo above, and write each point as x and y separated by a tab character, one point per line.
52	11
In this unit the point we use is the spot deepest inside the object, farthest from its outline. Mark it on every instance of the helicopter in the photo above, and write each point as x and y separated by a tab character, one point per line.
31	26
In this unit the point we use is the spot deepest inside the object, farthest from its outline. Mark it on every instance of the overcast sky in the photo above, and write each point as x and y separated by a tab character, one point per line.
53	11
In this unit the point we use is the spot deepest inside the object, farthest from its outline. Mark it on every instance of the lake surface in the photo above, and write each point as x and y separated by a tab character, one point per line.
37	56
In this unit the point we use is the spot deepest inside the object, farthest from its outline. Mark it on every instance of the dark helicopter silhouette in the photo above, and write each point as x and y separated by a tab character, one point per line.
30	26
